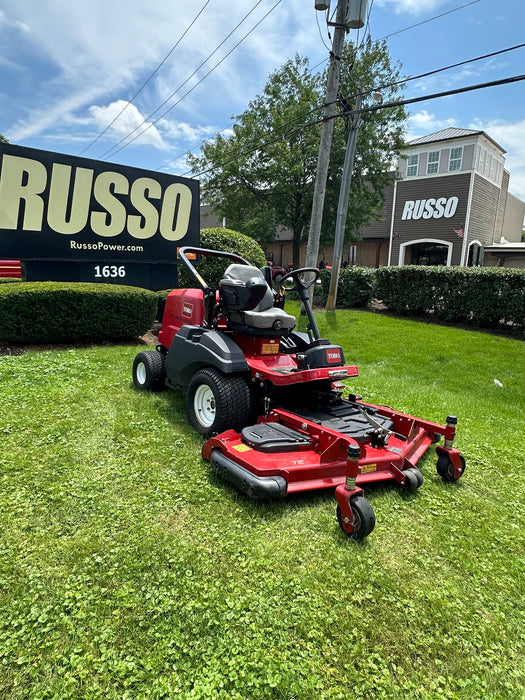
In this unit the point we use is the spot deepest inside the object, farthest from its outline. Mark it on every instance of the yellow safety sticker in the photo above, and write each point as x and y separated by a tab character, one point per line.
270	348
241	448
367	468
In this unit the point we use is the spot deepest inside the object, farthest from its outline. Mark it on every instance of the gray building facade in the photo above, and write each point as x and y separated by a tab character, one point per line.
449	203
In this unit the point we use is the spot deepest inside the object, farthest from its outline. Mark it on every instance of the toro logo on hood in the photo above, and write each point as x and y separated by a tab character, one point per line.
333	356
187	309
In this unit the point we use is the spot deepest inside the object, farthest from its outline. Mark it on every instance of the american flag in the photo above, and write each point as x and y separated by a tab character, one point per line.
460	230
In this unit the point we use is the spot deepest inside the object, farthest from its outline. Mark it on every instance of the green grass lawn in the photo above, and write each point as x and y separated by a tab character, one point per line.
128	571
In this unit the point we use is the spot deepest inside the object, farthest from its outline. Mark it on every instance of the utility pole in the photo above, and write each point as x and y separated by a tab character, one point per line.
323	159
342	206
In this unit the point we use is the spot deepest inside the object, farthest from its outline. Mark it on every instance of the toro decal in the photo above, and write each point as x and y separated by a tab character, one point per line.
333	357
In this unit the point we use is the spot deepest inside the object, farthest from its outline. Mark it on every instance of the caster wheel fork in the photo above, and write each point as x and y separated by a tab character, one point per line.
355	516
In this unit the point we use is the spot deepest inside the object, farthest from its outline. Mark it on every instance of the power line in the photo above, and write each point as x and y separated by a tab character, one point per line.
256	141
375	108
430	19
405	80
347	98
453	65
114	149
152	75
412	26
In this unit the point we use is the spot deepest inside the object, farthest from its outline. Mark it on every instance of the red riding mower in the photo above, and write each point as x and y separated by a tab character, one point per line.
270	400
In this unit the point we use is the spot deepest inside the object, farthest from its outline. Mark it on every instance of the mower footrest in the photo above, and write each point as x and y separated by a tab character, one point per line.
274	437
257	487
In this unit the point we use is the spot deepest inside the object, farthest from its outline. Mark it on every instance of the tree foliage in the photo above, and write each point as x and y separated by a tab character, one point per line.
261	174
3	139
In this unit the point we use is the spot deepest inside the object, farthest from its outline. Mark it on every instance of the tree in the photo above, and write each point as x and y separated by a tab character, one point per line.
3	139
261	176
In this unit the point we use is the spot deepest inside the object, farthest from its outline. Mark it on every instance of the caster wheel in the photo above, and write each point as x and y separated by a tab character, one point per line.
445	468
364	518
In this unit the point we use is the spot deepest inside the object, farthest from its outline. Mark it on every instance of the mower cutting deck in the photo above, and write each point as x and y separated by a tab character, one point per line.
269	399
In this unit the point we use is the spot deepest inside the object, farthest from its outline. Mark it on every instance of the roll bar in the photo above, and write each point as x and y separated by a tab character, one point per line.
208	292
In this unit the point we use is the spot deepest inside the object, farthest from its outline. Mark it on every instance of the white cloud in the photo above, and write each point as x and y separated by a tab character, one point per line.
9	24
129	122
104	52
423	123
412	6
187	132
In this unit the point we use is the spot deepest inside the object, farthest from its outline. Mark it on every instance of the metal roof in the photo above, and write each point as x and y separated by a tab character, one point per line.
452	133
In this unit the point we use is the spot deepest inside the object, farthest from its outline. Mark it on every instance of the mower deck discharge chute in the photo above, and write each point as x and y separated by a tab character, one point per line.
269	398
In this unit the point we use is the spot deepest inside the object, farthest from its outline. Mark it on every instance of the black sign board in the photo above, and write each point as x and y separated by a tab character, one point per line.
62	208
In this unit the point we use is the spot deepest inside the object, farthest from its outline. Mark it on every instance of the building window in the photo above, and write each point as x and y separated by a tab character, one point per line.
456	155
488	161
433	162
412	164
427	253
481	161
475	255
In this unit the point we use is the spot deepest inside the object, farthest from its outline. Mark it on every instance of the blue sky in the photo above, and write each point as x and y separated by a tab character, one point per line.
68	67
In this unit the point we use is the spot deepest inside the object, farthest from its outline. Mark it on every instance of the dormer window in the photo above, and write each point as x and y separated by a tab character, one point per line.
433	162
412	163
456	156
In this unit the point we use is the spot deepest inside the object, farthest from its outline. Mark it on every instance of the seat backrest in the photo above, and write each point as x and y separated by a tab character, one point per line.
244	273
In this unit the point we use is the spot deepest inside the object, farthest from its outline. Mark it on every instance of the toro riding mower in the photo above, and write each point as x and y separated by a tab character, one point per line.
269	399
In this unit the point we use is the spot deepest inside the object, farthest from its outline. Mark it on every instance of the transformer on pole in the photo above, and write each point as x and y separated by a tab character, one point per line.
356	17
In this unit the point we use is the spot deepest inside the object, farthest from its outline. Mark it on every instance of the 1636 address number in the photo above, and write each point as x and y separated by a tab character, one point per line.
106	271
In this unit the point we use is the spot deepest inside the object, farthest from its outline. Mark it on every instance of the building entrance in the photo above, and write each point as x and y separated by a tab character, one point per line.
428	254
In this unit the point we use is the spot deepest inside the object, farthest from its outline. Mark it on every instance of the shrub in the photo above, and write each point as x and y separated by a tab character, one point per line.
355	286
9	280
56	312
486	297
226	240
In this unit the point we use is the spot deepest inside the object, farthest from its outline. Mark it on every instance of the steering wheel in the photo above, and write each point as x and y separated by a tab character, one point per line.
303	278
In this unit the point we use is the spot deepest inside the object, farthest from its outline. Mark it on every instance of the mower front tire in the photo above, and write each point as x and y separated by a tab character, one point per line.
216	402
149	372
445	468
363	515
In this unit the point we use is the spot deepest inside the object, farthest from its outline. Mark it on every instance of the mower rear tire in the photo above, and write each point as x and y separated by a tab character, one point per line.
149	372
445	468
364	518
216	402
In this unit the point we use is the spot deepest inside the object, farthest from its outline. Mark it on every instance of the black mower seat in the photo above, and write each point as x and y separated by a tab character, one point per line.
248	301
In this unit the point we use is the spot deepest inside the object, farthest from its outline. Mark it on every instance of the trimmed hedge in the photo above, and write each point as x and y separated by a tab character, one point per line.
74	312
9	280
486	297
226	240
355	287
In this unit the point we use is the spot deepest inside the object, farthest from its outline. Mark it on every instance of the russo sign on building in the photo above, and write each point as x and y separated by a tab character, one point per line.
60	208
431	208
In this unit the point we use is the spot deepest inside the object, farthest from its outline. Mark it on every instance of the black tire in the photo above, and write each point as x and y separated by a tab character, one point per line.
414	479
364	518
419	476
149	372
445	468
216	402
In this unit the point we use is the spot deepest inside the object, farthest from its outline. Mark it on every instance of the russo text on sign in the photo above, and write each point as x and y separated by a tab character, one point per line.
55	206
